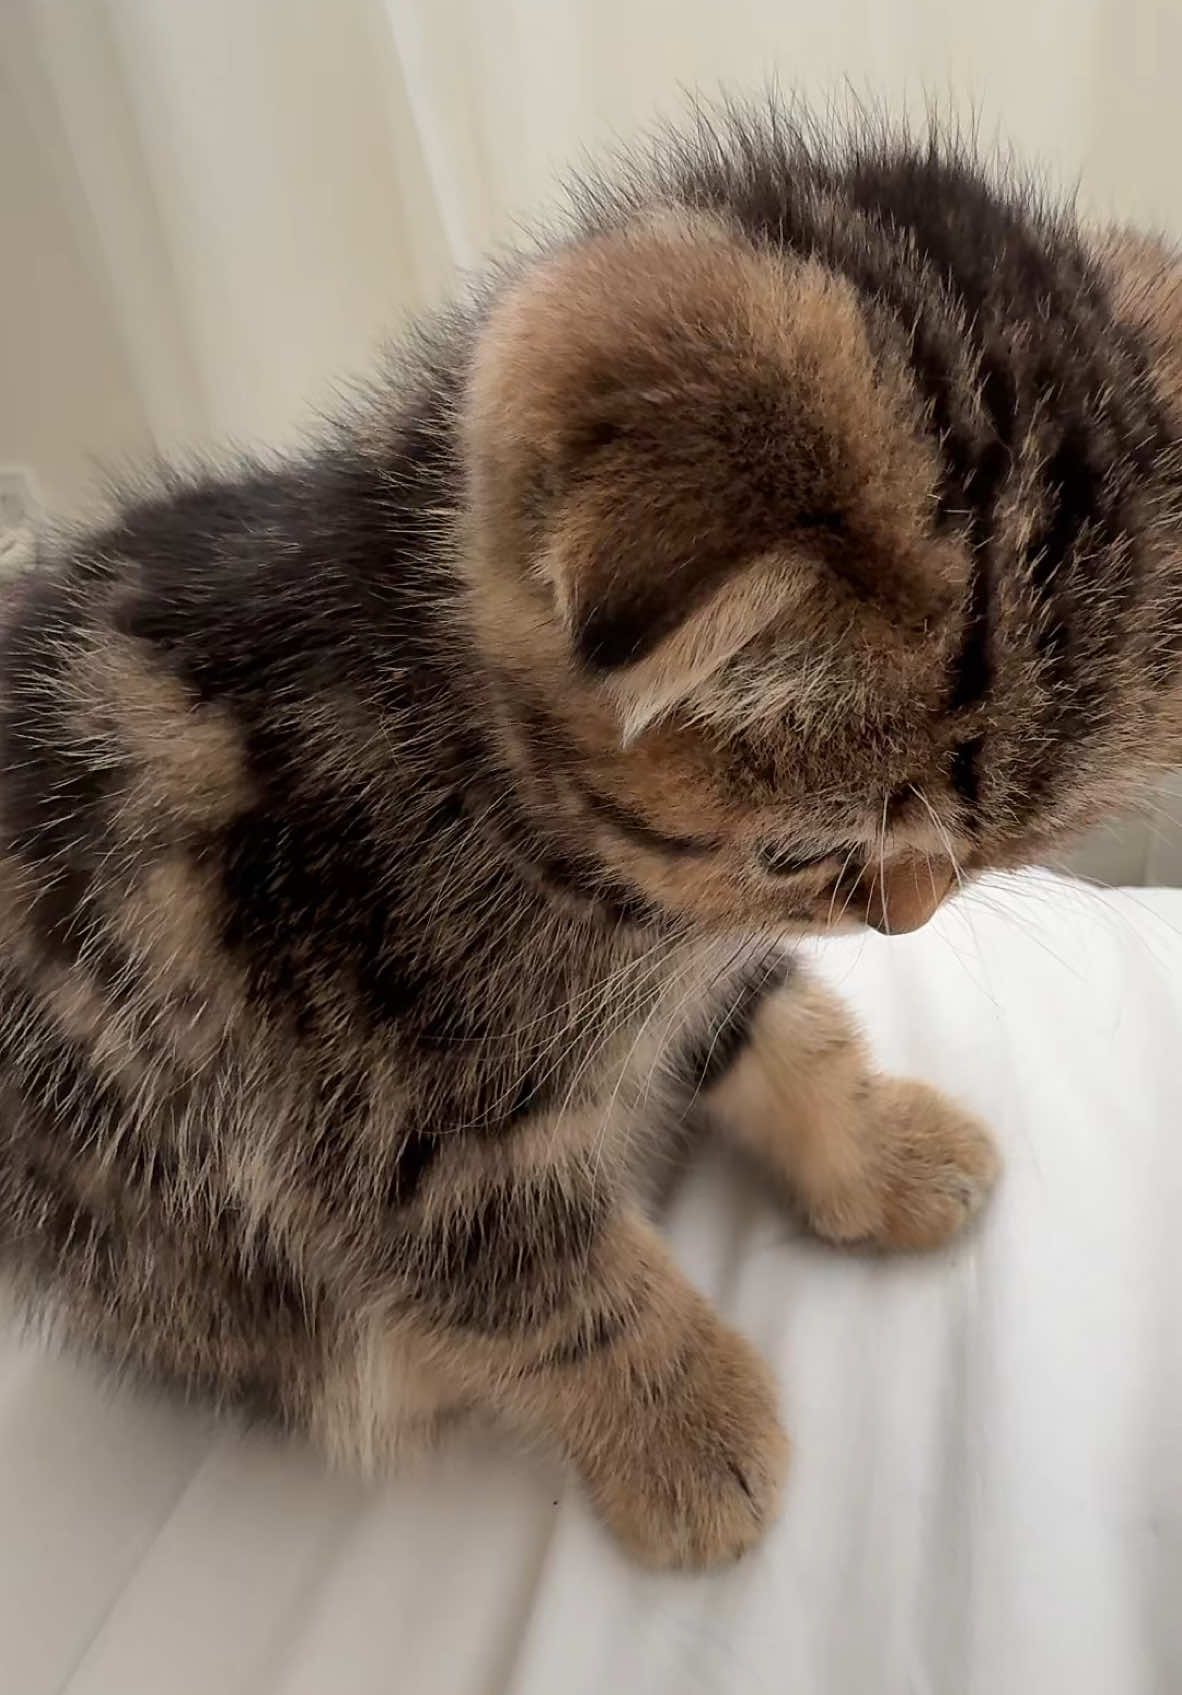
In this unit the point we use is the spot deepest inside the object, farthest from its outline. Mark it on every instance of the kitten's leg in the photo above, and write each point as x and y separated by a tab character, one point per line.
869	1158
668	1414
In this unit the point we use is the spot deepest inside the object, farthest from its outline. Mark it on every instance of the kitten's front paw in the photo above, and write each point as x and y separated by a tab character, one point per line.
930	1166
690	1473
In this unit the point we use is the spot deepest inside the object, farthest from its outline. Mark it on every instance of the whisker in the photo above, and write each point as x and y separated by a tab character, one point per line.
882	867
943	832
837	884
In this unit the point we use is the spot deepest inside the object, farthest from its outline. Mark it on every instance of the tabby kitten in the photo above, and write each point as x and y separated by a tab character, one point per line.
399	842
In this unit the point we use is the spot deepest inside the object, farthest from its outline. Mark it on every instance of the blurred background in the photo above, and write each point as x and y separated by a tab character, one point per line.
212	213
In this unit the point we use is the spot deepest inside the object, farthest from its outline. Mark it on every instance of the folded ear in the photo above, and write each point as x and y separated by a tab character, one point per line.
686	439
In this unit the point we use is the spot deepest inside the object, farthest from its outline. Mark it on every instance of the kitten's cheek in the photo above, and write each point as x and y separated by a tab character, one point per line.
841	909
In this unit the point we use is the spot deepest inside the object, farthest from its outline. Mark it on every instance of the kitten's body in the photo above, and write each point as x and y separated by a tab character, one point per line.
287	962
377	894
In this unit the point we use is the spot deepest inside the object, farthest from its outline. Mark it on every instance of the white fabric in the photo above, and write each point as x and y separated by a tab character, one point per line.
986	1496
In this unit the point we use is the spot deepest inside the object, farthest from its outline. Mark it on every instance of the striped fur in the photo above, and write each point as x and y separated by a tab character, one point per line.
398	843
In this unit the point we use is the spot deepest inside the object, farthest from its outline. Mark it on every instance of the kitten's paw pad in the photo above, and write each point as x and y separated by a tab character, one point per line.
695	1476
933	1168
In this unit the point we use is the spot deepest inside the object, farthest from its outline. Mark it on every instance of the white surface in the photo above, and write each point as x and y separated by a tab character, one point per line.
987	1490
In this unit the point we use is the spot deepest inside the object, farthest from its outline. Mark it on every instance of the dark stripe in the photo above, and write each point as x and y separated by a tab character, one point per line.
965	773
548	748
573	877
975	461
610	900
595	1336
973	457
628	823
934	379
972	672
973	240
498	1098
513	1261
309	887
708	1059
1074	483
983	486
999	391
417	1154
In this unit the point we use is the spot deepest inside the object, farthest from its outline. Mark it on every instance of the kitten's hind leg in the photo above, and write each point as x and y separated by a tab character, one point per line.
868	1158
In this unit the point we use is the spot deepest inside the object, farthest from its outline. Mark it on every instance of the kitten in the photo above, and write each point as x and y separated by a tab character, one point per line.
399	842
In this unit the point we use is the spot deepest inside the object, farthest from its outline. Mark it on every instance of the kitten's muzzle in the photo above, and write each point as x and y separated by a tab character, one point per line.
906	891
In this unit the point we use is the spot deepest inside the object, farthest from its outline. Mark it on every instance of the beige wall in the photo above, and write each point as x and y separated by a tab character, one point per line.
215	208
68	393
212	210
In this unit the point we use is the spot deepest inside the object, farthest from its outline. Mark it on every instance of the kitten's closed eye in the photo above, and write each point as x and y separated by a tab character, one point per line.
779	859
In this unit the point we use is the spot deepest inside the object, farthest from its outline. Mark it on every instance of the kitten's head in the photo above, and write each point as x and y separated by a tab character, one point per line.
791	621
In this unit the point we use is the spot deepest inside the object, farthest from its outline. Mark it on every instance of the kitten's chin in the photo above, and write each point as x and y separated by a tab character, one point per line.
845	926
813	929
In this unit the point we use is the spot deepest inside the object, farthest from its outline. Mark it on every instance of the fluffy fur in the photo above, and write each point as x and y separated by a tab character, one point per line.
399	842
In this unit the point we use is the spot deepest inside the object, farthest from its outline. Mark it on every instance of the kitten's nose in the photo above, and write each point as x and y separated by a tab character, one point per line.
907	891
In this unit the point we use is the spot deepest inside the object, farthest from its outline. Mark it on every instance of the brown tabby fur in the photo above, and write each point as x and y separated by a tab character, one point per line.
399	843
